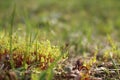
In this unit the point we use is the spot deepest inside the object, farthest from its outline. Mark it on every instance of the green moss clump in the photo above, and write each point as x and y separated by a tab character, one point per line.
41	53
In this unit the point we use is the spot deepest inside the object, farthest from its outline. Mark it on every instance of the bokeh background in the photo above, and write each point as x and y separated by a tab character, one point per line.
79	23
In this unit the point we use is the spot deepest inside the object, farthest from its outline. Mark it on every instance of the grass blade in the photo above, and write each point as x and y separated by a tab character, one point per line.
10	35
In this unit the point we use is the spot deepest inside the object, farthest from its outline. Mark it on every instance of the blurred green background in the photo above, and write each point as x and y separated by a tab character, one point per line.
76	22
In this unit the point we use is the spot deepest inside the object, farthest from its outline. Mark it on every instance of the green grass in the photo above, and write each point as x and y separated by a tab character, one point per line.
10	35
34	26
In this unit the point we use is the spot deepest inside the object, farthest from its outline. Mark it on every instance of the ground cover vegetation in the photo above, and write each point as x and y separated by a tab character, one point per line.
59	40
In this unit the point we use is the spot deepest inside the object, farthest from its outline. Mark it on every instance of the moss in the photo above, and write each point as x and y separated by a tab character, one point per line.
42	52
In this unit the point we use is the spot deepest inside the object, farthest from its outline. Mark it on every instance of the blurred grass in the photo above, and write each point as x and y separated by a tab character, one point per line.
82	24
66	21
